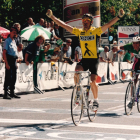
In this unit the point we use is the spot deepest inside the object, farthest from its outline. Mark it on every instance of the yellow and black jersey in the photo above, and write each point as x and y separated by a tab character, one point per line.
89	41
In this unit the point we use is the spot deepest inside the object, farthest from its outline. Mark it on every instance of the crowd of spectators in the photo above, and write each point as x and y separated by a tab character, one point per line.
115	55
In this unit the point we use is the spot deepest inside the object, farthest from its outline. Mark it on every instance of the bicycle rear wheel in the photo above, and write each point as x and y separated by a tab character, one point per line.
76	106
90	112
138	101
128	98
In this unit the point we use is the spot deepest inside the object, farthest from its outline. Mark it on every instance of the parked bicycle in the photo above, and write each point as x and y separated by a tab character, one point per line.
83	102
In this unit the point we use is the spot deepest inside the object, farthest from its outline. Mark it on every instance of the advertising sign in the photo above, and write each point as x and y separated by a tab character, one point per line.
74	10
128	31
24	80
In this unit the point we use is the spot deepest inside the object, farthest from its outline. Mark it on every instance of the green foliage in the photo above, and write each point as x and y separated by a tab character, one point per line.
12	11
110	8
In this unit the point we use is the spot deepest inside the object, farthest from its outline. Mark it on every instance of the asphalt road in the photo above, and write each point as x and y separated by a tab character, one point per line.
47	117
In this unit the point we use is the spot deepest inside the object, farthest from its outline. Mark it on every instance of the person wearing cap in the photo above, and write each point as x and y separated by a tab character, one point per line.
133	47
10	56
88	37
1	57
104	55
112	55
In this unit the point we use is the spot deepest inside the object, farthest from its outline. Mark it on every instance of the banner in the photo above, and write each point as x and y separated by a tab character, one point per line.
126	74
102	73
74	10
128	31
122	41
47	76
114	71
2	76
24	80
66	80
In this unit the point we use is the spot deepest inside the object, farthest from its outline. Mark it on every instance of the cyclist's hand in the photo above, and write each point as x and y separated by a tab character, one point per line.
121	13
49	13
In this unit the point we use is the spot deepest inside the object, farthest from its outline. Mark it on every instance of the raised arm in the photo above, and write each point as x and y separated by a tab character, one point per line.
113	21
59	22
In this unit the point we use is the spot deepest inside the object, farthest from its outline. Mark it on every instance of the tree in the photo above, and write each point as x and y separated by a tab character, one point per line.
110	8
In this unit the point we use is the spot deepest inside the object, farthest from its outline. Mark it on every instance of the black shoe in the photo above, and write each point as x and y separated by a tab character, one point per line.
6	96
95	106
130	105
13	95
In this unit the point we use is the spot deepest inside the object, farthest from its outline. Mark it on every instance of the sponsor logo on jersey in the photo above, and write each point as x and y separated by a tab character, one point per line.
87	38
82	33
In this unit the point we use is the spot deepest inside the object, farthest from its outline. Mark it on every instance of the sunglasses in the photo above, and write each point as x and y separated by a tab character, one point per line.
68	42
86	20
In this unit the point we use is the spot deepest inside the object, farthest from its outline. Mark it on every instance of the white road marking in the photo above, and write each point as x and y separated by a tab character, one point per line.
62	122
7	131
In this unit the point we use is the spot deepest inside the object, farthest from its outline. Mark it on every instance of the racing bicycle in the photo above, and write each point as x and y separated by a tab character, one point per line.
132	94
84	104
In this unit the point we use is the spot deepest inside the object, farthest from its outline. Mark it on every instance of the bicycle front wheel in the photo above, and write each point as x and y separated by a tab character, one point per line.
128	98
91	113
76	106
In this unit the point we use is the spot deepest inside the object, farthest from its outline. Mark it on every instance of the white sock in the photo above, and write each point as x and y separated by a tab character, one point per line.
96	100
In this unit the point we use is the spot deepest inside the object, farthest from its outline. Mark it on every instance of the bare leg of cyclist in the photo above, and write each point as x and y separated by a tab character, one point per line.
94	87
76	76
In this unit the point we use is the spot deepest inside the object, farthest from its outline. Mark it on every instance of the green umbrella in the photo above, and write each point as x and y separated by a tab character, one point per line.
30	33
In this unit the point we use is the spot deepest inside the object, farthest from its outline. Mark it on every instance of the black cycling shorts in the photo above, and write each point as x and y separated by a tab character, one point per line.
136	64
90	63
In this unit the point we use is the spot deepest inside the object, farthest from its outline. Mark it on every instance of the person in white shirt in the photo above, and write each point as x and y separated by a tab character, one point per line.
112	55
19	53
78	54
104	55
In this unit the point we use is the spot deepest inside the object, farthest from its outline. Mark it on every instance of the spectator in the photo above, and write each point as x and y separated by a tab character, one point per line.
120	55
52	24
112	54
48	26
43	52
104	55
51	30
18	38
78	54
41	22
57	30
55	56
68	43
32	50
1	57
127	57
45	24
19	53
28	23
10	56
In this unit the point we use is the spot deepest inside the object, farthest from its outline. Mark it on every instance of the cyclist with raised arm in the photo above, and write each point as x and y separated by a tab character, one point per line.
133	47
88	41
